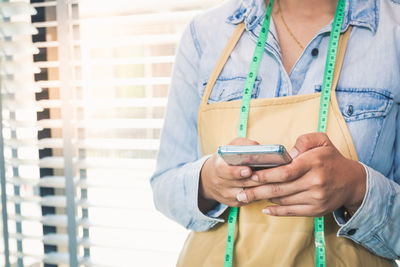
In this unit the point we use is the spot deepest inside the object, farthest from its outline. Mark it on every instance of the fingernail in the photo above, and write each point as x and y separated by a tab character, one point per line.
245	173
241	197
266	211
255	178
294	153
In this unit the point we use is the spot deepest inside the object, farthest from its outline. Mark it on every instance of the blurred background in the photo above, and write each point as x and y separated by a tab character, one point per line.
84	87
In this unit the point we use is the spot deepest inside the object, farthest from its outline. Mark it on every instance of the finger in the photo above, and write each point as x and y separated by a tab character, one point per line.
242	183
239	141
309	141
269	191
294	210
301	198
228	197
226	171
283	173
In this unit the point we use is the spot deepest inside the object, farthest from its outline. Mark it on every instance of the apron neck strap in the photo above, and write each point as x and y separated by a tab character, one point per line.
222	60
344	38
234	40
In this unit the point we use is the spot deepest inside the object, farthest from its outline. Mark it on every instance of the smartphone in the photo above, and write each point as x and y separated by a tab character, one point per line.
255	156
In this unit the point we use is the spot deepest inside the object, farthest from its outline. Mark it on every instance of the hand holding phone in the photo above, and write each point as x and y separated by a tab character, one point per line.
221	182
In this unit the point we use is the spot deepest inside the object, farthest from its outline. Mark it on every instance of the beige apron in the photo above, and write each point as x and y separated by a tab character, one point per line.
263	240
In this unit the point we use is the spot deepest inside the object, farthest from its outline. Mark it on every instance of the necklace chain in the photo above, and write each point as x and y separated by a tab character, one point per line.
287	27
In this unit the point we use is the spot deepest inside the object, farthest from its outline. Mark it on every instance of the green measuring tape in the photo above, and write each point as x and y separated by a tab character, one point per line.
320	258
244	112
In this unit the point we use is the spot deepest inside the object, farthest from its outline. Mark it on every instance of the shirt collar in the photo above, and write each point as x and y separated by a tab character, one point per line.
362	13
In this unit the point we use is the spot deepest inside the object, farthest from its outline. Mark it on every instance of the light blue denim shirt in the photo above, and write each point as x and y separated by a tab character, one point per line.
368	95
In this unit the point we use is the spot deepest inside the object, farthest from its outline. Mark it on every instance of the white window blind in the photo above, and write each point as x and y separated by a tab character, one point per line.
84	89
18	163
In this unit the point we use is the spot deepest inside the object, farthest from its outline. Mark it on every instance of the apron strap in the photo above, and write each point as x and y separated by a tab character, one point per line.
222	60
344	38
235	38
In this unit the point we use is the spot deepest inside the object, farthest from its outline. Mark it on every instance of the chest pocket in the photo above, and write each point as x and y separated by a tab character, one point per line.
364	110
363	103
228	89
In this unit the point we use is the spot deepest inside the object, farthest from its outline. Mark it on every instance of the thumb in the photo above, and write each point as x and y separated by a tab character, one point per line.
309	141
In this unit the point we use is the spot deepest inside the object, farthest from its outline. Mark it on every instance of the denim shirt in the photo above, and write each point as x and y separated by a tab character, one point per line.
368	94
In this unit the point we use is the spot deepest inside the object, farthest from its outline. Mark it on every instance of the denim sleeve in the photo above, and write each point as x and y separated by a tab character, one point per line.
376	224
179	162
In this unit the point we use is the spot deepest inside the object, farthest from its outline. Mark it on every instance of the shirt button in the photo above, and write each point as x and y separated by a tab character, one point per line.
314	52
352	231
350	110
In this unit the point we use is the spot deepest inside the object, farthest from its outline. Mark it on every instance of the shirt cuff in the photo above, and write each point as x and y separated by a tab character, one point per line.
200	221
373	212
217	211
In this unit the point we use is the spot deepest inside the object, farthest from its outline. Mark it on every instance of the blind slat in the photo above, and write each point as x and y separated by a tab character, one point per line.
45	24
17	67
47	44
11	48
140	19
111	163
44	4
59	182
48	181
108	103
111	61
115	42
95	123
12	86
110	83
121	123
9	29
16	8
148	39
119	144
89	143
61	202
